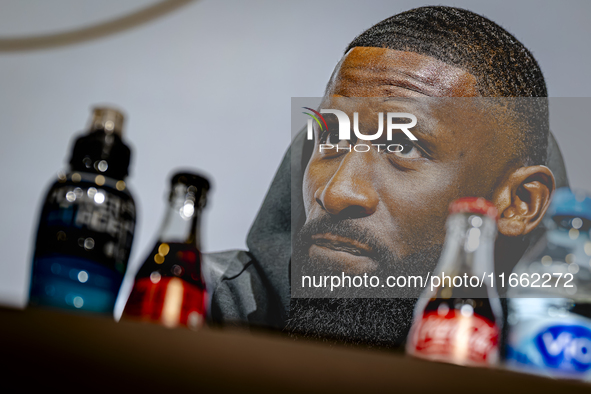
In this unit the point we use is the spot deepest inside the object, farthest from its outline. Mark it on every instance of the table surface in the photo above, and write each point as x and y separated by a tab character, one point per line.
85	353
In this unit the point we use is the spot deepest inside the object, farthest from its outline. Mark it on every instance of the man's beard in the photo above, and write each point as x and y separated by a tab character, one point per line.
373	322
379	322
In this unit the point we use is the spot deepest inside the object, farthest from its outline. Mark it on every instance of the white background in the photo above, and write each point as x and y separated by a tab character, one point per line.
209	87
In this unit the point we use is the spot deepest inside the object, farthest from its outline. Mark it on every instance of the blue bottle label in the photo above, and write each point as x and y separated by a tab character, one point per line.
565	347
87	230
557	347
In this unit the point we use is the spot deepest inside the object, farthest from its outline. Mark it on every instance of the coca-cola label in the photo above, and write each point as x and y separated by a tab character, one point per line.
456	338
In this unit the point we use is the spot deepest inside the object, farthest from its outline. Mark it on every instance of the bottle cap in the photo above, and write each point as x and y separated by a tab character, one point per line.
190	179
108	119
101	150
477	205
565	202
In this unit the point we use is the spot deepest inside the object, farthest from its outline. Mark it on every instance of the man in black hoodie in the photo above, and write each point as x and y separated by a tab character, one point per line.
396	205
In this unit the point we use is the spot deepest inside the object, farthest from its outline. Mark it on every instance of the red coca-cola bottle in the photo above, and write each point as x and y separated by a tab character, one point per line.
169	287
459	319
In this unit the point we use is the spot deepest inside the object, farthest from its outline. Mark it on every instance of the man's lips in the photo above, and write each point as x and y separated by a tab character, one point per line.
341	244
342	253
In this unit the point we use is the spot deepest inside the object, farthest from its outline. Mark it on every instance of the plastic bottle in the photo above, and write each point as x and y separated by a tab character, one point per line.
87	223
549	319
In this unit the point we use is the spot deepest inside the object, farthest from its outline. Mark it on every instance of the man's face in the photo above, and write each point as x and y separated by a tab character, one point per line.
396	203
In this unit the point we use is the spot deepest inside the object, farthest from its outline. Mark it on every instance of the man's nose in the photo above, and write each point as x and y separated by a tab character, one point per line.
350	192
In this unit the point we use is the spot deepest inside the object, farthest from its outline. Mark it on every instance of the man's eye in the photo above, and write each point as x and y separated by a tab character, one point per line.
332	137
328	138
407	150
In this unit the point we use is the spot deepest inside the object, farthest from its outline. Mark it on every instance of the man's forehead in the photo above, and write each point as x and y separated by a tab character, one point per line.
383	72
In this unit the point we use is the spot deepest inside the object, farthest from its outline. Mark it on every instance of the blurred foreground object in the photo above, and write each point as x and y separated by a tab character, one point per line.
87	223
551	333
115	26
169	287
73	353
460	324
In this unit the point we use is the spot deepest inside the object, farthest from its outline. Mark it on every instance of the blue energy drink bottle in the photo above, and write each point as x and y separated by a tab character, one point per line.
87	224
549	319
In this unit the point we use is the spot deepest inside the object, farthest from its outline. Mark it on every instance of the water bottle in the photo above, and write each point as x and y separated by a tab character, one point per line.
549	318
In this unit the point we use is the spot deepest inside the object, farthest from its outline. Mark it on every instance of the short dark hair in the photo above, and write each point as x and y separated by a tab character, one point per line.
502	65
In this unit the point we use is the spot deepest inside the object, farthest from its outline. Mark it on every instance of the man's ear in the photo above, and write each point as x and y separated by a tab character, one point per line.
523	198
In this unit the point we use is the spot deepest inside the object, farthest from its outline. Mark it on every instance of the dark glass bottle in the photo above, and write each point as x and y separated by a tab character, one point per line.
87	223
460	320
169	287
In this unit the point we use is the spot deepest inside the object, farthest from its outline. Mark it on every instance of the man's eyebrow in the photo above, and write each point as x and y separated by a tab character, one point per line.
424	124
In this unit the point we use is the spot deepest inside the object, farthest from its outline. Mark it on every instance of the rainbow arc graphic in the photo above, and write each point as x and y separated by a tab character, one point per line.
315	116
